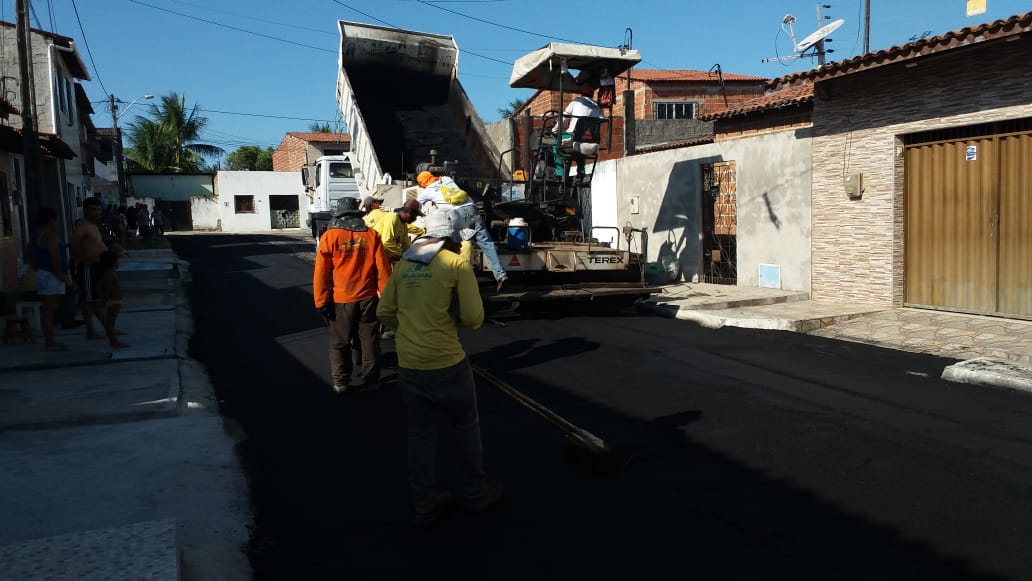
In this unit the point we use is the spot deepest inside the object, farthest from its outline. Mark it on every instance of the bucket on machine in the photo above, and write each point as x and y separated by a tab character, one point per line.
518	234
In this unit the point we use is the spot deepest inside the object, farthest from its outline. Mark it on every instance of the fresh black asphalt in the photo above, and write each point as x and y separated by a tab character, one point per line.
746	454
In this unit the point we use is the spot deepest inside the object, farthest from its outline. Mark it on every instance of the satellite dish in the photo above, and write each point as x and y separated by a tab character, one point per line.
819	35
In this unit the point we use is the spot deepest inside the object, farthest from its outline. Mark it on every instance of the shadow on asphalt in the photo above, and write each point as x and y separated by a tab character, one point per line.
328	484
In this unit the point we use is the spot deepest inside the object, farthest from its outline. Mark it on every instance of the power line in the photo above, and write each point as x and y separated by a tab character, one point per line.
32	12
366	15
245	31
256	19
264	115
471	53
88	51
432	5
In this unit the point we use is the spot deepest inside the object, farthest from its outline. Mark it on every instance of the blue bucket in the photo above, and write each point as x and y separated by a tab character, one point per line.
518	235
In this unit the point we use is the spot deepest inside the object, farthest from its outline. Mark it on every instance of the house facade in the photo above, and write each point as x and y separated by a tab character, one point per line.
301	149
897	178
922	154
732	209
258	201
56	68
667	107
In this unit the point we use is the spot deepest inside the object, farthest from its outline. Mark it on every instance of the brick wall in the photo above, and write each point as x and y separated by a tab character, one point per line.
290	155
858	120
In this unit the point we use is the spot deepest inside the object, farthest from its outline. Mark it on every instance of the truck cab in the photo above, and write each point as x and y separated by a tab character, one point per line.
331	178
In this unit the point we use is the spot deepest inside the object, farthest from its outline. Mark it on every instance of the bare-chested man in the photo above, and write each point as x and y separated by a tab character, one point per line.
86	246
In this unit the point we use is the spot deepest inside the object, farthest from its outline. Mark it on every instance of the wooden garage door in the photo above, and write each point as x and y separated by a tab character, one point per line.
968	226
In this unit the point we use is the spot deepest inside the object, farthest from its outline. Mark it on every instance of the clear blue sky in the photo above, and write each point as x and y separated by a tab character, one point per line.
212	52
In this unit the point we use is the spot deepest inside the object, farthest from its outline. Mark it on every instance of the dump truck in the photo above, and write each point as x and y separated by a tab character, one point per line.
406	111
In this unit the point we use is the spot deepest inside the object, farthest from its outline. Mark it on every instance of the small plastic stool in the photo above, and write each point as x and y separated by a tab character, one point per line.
33	311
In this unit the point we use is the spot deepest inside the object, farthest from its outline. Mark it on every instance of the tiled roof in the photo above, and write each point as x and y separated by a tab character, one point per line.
1015	25
686	75
674	144
314	137
776	100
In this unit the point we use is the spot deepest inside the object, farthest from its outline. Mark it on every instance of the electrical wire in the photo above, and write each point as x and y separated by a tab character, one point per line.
88	51
264	115
32	13
284	24
384	22
424	2
244	30
50	9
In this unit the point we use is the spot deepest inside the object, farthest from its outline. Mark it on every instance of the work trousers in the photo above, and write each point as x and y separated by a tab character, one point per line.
448	393
471	219
355	322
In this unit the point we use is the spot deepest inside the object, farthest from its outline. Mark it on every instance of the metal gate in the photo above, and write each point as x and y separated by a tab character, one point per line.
719	223
284	212
968	219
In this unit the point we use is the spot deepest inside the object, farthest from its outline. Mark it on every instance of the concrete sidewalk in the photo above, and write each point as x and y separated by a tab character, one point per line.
993	351
115	463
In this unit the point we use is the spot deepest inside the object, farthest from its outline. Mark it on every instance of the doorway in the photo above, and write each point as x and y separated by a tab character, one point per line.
719	223
284	212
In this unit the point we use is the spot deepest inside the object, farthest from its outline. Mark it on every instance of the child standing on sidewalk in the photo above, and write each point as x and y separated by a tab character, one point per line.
110	296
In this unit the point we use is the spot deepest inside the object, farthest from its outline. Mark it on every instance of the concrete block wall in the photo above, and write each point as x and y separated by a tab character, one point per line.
859	121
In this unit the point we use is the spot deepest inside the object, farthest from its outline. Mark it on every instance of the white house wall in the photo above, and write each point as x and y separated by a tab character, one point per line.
205	213
261	185
171	187
773	203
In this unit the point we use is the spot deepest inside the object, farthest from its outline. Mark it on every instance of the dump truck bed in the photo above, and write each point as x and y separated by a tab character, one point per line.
400	96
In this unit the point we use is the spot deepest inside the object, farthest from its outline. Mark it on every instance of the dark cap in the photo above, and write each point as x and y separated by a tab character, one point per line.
346	206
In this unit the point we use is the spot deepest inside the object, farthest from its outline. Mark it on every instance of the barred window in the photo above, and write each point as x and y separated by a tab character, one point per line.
243	204
674	109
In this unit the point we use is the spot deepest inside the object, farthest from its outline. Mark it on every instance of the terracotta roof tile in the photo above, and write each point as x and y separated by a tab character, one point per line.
775	100
1018	24
686	75
674	144
314	137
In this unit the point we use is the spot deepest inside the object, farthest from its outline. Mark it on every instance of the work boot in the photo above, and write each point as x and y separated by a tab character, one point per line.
491	495
428	515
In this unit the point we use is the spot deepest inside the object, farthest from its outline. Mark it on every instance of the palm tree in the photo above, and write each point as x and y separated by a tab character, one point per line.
167	139
514	106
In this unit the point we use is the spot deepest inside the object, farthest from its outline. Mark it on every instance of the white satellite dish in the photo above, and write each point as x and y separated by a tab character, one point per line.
819	35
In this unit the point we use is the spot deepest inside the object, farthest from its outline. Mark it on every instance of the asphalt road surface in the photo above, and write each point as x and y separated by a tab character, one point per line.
744	454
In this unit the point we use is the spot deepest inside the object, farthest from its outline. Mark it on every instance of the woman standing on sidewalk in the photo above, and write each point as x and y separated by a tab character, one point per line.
51	273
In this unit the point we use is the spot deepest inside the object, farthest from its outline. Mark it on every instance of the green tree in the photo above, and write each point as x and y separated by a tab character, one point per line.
514	106
320	128
166	139
250	158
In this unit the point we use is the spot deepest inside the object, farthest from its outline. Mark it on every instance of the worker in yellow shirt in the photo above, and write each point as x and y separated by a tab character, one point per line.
434	375
388	225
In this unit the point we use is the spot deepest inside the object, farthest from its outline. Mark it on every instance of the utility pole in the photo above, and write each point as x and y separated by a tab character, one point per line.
116	147
867	26
30	138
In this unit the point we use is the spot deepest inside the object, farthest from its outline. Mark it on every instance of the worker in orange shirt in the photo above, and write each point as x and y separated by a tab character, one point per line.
351	271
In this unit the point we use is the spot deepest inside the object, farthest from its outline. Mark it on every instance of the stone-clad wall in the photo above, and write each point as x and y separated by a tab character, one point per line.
858	123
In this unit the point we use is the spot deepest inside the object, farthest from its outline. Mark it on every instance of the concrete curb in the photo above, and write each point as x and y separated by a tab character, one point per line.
704	317
992	372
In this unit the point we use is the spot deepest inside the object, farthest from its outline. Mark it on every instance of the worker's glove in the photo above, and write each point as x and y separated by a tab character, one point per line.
468	233
329	312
